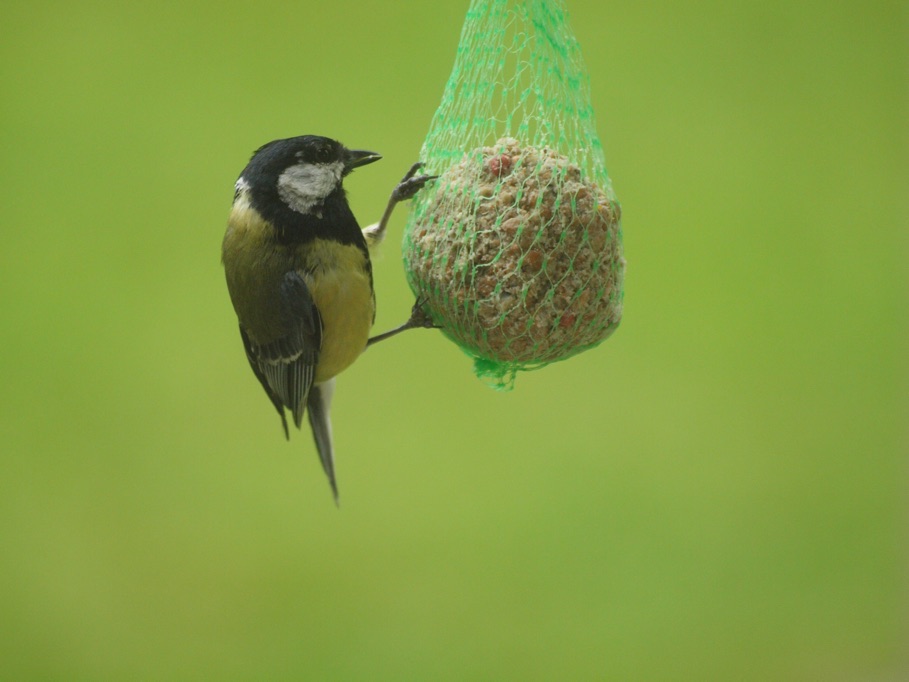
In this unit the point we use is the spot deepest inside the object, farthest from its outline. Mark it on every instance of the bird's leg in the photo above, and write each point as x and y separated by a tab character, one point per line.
410	184
419	319
406	189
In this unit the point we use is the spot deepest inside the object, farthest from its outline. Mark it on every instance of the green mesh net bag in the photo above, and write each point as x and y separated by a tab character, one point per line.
517	247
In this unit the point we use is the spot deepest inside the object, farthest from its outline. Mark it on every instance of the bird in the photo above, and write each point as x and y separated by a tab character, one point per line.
299	275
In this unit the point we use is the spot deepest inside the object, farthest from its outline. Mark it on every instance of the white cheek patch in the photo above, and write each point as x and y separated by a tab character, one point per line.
302	187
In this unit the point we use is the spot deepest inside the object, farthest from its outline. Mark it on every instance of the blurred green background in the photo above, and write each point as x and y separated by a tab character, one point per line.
718	492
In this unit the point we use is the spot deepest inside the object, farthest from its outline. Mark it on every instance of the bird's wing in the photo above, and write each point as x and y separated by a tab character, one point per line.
286	366
254	363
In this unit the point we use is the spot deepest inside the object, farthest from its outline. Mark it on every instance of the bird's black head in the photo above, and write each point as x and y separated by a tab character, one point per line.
299	174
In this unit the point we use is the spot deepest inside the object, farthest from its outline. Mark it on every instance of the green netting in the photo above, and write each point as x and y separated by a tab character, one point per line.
517	247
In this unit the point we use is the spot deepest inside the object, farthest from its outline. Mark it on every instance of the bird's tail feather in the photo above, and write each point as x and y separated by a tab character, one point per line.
318	404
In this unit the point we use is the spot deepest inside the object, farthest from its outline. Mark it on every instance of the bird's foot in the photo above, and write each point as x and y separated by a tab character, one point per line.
411	183
420	318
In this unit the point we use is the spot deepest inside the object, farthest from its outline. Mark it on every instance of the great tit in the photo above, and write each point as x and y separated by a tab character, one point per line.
300	277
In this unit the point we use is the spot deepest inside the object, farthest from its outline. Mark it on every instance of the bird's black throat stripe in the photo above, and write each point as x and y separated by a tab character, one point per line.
330	219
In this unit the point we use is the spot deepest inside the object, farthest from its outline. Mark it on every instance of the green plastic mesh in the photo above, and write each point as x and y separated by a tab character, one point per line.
517	247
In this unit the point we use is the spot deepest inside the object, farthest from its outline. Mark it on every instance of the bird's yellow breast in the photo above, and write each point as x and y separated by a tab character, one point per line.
338	278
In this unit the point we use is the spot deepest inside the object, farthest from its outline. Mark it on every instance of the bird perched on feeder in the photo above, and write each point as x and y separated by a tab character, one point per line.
300	277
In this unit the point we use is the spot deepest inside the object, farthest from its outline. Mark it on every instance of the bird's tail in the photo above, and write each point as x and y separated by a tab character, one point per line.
317	405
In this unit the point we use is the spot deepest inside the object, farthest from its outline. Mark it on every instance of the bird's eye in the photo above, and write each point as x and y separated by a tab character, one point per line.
323	153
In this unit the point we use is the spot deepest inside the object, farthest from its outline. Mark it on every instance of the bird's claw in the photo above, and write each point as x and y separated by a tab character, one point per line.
419	316
411	183
413	171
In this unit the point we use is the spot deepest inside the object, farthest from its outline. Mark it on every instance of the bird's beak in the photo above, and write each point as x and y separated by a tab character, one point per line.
358	157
